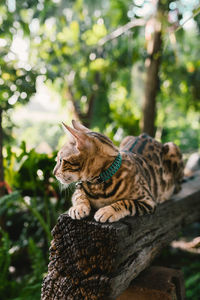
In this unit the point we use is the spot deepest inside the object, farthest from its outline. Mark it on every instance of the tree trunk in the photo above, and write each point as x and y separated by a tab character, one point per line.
2	188
154	48
84	117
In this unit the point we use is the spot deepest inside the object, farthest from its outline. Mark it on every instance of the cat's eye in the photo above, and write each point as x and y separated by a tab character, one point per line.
71	163
60	160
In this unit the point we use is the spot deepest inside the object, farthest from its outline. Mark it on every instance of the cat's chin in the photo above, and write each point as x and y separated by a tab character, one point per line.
62	181
64	184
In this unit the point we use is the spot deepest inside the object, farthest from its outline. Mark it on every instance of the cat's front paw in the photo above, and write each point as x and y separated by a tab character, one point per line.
106	214
79	211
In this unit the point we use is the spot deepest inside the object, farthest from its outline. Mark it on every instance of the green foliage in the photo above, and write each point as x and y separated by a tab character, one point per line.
31	173
4	259
8	288
27	287
8	203
27	216
63	45
31	211
192	275
32	283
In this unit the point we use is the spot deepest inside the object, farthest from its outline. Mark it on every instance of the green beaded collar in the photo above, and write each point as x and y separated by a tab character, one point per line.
107	174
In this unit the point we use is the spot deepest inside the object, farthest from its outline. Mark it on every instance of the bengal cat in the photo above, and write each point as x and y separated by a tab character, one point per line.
117	182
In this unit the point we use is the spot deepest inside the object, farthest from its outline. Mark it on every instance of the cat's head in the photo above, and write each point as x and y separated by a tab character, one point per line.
84	156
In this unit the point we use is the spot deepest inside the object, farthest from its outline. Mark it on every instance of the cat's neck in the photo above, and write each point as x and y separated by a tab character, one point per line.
102	168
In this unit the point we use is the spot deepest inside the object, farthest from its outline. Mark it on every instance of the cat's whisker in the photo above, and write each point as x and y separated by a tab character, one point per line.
62	187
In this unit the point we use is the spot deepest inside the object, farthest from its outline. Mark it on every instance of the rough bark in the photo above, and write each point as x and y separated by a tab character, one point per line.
152	63
89	260
2	188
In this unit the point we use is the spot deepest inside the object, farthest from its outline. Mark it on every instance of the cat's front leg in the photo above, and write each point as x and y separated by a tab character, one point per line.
81	206
120	209
111	213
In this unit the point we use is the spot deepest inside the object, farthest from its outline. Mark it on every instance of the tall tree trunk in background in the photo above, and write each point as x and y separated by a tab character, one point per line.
86	117
2	189
152	63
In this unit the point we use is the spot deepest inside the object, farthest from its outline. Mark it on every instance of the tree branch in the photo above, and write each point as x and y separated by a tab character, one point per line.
121	30
76	109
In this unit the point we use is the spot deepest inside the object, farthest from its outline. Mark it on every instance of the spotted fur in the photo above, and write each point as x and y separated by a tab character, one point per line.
149	174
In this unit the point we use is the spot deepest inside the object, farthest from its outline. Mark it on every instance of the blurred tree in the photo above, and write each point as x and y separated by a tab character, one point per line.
79	65
92	61
153	37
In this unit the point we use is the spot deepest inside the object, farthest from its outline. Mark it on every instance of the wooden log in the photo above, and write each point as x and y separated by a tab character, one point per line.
156	283
89	260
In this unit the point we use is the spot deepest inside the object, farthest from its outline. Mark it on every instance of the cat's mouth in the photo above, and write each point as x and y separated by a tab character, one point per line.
67	180
60	180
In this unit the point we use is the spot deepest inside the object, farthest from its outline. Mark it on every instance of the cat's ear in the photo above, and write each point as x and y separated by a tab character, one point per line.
79	126
80	137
